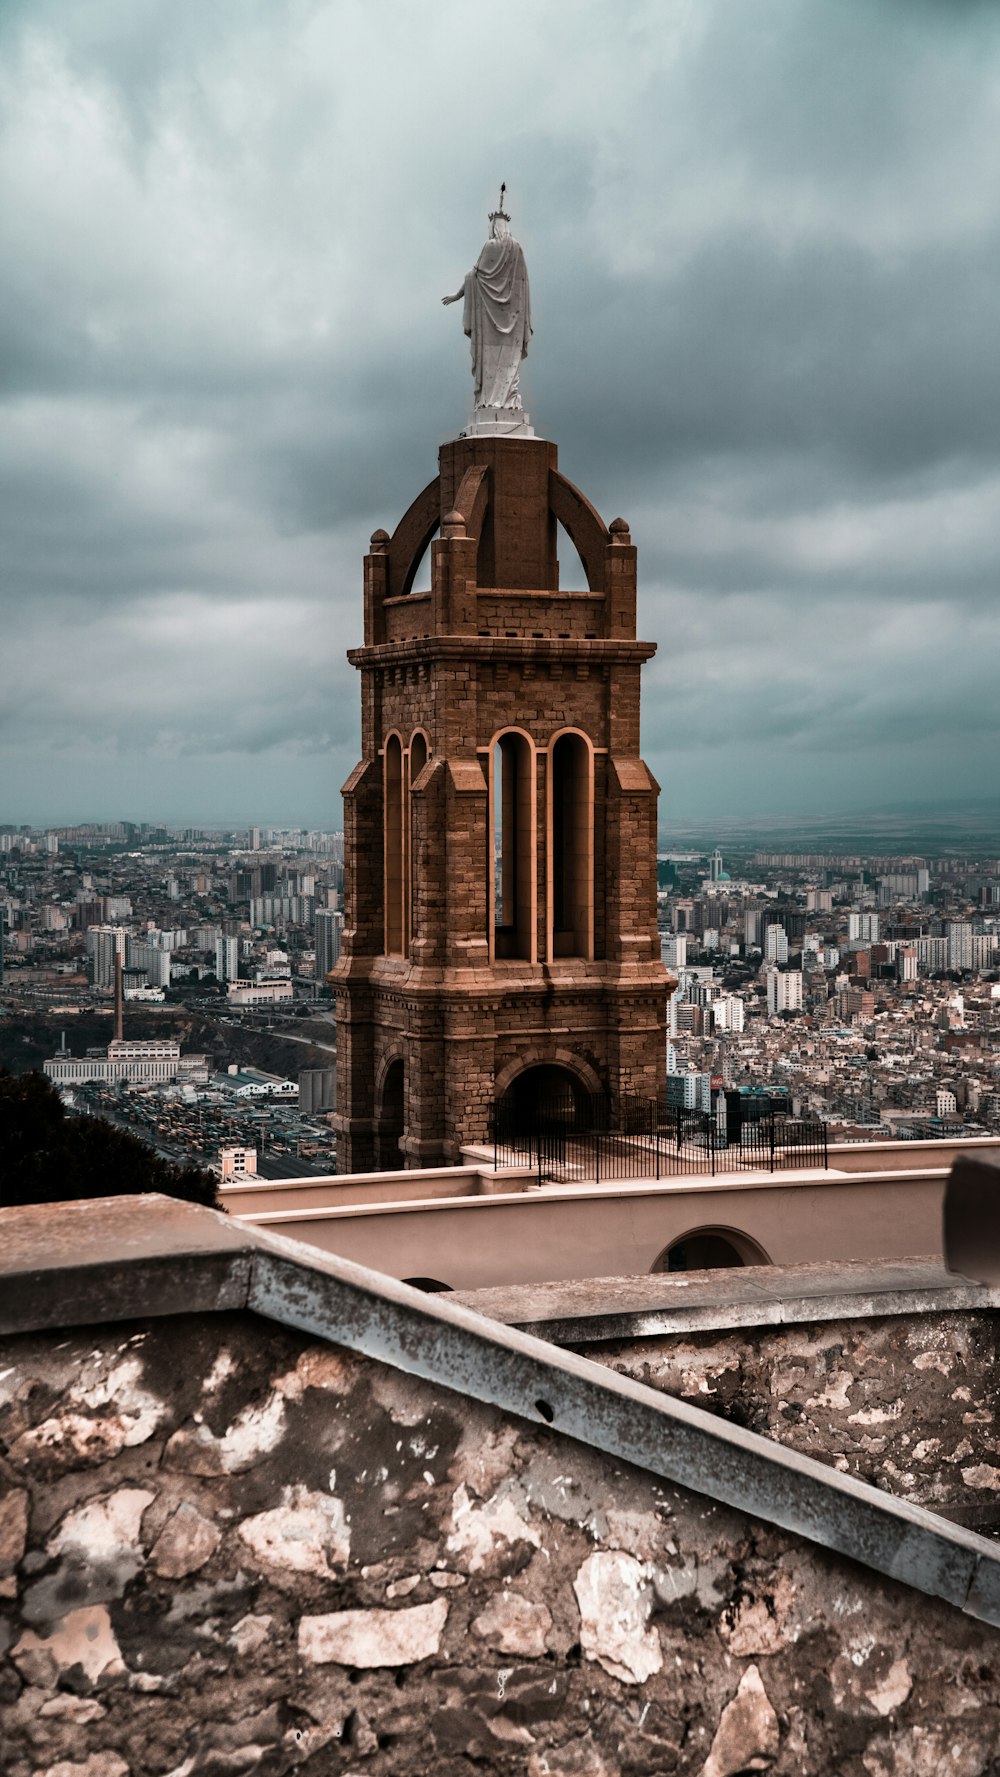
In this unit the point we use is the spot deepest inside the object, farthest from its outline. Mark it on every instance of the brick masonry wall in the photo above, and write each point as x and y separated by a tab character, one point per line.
227	1549
909	1403
494	645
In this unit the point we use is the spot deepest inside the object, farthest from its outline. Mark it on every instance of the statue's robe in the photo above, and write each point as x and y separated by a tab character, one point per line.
497	320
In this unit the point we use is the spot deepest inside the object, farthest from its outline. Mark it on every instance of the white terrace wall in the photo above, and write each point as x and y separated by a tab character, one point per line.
618	1230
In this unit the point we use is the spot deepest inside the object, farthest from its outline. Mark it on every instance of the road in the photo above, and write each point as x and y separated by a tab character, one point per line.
310	1042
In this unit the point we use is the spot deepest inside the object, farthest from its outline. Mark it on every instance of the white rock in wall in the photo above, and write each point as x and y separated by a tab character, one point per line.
514	1625
83	1638
615	1597
99	1764
104	1530
185	1543
746	1738
307	1533
367	1638
479	1531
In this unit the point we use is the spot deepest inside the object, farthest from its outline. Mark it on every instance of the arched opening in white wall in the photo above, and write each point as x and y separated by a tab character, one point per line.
419	754
513	895
710	1249
571	847
429	1285
393	844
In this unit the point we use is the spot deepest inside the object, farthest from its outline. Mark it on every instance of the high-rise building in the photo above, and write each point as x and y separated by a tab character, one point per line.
227	959
959	935
104	945
784	991
863	928
328	926
753	928
728	1013
906	962
715	865
984	951
903	885
689	1092
673	949
776	944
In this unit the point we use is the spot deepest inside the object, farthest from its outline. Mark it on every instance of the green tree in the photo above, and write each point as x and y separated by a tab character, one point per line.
49	1156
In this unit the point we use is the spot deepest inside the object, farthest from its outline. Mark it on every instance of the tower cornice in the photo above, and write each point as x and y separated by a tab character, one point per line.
609	650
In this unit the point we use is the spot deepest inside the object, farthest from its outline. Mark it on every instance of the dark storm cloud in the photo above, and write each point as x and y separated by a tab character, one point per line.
764	244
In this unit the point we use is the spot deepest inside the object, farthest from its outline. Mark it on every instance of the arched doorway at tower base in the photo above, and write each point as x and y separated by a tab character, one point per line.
390	1120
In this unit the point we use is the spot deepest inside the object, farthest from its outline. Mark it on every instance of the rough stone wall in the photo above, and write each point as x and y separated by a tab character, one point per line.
909	1403
225	1549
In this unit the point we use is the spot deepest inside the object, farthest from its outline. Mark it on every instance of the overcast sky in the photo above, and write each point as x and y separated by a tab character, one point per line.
763	238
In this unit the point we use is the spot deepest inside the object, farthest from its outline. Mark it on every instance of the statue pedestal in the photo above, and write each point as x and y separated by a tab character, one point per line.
498	422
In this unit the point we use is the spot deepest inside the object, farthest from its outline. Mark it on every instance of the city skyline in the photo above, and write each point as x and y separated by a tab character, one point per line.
769	238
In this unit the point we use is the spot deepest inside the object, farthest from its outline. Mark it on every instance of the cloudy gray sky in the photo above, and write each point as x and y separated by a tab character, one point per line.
764	245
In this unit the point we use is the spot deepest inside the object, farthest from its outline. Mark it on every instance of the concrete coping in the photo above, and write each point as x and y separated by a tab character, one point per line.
595	1310
112	1259
518	1188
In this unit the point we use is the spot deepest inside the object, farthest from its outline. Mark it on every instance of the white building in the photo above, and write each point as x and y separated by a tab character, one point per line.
259	993
959	935
104	944
728	1013
932	954
674	949
984	951
227	959
139	1063
776	944
863	927
784	991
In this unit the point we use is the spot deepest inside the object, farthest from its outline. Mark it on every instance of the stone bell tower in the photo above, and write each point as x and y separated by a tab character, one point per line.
500	828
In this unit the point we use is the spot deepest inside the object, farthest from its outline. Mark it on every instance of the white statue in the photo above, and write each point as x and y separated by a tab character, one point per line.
497	317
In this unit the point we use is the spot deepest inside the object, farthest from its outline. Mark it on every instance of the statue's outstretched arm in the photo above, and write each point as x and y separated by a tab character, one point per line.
456	298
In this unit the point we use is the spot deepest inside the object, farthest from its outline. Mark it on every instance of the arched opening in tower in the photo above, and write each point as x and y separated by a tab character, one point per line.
393	845
418	759
419	579
573	576
548	1094
390	1120
571	836
513	831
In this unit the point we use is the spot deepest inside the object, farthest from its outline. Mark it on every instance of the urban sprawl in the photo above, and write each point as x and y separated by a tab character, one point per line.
175	983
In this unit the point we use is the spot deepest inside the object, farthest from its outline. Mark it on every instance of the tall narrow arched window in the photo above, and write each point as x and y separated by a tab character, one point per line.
512	826
393	845
571	847
418	759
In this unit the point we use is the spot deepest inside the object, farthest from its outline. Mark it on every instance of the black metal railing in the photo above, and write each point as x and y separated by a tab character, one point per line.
581	1136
